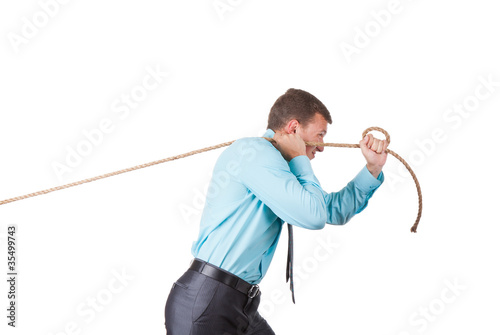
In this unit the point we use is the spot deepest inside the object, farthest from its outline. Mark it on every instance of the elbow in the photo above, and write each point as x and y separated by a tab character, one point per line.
312	217
318	225
314	221
318	218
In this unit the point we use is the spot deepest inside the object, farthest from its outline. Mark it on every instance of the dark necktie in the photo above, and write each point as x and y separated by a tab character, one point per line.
289	261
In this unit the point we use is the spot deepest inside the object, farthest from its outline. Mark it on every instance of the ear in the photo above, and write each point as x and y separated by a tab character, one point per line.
291	126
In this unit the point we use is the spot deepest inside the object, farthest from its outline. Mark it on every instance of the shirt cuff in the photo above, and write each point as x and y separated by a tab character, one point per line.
365	181
300	166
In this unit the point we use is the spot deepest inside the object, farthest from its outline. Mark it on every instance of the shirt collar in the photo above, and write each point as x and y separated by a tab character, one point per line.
269	133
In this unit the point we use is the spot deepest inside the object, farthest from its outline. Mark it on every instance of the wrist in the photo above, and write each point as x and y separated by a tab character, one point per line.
292	156
374	170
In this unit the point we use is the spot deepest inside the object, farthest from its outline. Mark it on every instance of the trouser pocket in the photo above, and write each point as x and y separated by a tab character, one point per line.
204	303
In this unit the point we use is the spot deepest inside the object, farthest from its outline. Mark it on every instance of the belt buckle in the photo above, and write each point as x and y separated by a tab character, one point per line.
253	291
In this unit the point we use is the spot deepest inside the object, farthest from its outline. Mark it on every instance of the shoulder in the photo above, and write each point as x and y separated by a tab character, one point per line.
251	145
249	151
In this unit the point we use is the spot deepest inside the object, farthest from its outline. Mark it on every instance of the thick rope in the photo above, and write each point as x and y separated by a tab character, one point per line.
194	152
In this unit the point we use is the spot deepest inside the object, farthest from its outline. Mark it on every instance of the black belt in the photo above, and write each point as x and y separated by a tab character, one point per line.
224	277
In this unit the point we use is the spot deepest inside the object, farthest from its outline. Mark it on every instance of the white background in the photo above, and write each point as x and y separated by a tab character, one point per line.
225	70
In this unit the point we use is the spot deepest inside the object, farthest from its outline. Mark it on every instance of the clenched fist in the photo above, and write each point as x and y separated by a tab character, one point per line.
290	145
374	151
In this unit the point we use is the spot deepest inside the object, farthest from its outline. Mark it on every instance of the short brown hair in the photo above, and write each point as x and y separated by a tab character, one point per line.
297	105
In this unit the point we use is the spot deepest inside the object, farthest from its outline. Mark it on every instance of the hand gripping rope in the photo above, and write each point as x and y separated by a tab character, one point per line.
225	144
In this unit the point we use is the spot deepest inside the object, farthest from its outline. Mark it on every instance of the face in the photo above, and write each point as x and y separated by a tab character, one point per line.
313	132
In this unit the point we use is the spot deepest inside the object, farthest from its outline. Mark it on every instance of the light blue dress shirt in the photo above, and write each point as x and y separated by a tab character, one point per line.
254	190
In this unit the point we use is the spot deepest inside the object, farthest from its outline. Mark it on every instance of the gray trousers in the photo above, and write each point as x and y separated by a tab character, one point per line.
200	305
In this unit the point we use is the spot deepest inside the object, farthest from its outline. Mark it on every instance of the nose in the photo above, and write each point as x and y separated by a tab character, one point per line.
320	149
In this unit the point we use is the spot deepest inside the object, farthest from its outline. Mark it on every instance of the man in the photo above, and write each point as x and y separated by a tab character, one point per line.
257	186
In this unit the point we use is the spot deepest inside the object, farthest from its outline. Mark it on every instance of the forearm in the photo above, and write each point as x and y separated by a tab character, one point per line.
353	198
289	189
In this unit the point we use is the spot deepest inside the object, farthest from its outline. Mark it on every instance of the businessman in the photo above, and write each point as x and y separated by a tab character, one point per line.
257	186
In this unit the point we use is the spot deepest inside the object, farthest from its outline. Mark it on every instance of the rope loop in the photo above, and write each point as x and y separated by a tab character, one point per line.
383	131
